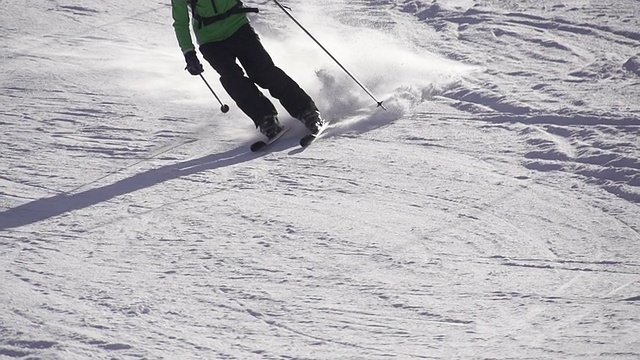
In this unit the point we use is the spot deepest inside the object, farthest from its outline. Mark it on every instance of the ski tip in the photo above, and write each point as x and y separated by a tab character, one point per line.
307	140
258	145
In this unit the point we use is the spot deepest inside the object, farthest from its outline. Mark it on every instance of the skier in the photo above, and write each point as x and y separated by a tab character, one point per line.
223	32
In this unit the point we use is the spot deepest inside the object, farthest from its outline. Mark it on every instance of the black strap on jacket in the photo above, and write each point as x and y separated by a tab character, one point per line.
238	8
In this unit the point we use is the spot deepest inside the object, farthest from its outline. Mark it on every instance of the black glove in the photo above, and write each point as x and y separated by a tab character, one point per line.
193	64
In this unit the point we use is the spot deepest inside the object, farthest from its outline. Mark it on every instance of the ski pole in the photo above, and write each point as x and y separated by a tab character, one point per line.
328	53
223	107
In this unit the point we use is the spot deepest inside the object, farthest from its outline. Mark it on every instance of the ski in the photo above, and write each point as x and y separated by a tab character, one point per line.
262	144
309	138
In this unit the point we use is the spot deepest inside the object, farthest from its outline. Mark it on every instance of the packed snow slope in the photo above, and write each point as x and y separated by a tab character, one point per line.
493	211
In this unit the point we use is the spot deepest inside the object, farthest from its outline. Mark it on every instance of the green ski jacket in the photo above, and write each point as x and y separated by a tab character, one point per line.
216	31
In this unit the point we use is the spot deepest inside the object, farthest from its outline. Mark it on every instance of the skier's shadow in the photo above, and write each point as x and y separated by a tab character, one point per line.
46	208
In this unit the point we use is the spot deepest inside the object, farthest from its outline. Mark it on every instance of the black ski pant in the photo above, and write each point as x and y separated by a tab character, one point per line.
245	46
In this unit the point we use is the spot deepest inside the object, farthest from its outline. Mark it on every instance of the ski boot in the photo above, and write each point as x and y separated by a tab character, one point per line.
312	120
270	126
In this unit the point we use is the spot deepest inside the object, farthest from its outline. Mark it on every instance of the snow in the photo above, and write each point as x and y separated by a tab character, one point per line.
491	212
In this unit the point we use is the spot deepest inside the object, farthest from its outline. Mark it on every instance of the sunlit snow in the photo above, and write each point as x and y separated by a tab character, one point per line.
491	212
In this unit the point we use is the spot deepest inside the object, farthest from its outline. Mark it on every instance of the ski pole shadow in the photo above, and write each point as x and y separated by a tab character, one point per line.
49	207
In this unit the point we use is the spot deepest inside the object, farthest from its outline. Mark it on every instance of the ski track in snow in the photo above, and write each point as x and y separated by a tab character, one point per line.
490	212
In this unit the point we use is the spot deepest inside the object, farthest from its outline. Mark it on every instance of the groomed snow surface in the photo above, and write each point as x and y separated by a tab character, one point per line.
492	212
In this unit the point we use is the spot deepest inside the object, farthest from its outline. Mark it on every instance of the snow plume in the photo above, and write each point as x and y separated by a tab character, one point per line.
393	70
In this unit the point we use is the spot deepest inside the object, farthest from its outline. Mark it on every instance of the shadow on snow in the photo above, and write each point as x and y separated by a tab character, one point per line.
49	207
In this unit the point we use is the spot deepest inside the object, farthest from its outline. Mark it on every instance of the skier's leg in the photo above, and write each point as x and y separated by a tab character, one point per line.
241	89
261	69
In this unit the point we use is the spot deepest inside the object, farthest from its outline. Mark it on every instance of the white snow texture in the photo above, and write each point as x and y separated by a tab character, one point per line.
491	212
